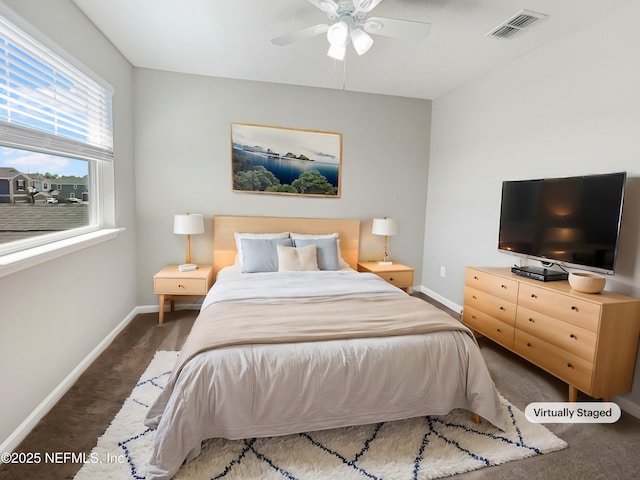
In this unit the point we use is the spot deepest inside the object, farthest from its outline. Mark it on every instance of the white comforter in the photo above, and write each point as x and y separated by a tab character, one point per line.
264	390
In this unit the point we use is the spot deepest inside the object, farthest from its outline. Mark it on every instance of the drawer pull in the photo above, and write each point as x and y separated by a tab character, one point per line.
503	286
533	295
501	308
391	279
572	336
569	365
532	320
498	330
180	285
475	278
474	297
574	308
528	344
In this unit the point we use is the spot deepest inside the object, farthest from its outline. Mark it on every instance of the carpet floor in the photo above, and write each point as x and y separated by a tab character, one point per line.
596	451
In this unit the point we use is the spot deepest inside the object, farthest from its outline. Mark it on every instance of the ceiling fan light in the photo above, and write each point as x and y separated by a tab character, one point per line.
362	41
338	33
337	52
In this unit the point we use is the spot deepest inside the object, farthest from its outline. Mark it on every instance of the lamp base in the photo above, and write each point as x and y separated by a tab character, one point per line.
385	263
187	267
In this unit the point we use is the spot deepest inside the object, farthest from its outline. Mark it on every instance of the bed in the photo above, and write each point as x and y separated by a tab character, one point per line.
308	344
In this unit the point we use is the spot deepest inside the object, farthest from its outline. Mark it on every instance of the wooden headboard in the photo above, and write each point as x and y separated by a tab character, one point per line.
224	245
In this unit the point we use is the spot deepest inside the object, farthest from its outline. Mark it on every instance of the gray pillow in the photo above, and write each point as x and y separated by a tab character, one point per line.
327	249
261	254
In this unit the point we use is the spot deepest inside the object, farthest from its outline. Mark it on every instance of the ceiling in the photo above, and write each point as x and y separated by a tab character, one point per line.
231	38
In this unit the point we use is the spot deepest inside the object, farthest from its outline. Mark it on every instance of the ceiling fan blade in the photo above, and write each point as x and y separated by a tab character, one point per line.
327	6
365	6
298	35
403	29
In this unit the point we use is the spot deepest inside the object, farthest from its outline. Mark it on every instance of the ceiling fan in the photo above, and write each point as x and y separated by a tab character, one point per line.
349	24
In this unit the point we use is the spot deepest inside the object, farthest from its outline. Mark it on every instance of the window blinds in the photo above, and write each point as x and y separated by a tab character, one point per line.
47	105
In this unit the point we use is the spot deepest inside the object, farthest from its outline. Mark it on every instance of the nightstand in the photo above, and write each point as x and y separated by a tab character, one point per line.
170	282
396	274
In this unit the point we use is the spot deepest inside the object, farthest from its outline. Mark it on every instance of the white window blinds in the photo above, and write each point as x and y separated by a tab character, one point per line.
48	105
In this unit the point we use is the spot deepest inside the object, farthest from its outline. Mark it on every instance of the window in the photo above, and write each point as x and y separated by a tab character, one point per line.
55	131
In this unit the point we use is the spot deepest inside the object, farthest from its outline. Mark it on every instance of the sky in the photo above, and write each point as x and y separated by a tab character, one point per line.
321	146
33	162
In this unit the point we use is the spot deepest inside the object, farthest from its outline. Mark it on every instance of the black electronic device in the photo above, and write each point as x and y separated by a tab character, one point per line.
572	221
539	273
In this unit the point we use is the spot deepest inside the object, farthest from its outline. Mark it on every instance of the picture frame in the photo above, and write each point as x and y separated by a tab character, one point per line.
285	161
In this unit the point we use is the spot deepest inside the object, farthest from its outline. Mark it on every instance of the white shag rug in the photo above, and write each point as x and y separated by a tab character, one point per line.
418	448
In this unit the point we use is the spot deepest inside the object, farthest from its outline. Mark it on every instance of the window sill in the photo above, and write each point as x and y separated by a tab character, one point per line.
14	262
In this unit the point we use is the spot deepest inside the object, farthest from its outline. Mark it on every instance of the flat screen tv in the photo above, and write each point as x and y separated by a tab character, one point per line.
573	221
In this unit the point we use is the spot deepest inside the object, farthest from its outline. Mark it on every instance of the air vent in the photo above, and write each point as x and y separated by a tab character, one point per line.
516	24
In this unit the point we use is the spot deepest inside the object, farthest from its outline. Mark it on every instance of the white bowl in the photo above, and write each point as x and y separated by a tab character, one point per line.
587	282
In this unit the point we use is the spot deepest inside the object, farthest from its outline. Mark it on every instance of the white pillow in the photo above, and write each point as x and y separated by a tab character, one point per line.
341	261
297	259
303	236
239	236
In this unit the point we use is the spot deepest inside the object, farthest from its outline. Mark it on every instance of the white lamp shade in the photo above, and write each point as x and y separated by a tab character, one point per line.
337	52
188	224
338	33
384	226
362	42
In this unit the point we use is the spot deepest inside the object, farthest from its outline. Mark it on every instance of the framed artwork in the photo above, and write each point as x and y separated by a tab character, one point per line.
285	161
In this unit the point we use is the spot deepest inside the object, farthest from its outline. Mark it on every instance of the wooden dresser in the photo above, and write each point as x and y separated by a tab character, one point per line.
589	341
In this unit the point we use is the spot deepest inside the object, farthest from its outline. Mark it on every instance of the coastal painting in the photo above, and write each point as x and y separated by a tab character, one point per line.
285	161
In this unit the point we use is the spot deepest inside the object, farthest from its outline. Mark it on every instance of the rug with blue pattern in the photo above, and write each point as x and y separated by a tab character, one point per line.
418	448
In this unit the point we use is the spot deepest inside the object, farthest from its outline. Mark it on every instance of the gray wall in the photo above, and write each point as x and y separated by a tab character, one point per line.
569	108
183	162
54	314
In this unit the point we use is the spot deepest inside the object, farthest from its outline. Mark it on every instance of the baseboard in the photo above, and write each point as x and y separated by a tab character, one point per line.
439	298
630	407
47	404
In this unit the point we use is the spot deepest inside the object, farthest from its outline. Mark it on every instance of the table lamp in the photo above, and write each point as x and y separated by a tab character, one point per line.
384	226
189	224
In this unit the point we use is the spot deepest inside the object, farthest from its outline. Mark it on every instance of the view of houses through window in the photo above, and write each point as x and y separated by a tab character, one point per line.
41	193
56	136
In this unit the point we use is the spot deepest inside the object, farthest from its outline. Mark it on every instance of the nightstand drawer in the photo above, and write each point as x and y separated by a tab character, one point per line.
180	286
399	279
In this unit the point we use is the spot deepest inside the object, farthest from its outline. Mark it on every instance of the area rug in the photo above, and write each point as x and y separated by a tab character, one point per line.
419	448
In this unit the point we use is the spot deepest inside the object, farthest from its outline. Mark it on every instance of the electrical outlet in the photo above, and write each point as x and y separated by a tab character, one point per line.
442	272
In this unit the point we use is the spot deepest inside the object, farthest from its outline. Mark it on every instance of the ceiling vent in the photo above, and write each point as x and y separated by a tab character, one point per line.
516	24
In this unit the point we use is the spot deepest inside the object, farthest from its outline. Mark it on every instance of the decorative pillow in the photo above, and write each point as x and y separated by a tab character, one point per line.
297	259
239	236
327	248
261	254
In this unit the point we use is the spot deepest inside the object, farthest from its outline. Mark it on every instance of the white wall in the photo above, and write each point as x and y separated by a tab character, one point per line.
183	162
54	314
571	107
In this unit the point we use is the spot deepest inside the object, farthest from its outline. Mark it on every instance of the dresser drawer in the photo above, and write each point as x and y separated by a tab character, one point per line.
399	279
496	307
493	328
180	286
568	308
575	340
570	368
492	284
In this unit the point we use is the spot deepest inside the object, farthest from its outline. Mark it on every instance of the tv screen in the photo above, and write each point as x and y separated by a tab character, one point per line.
573	221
